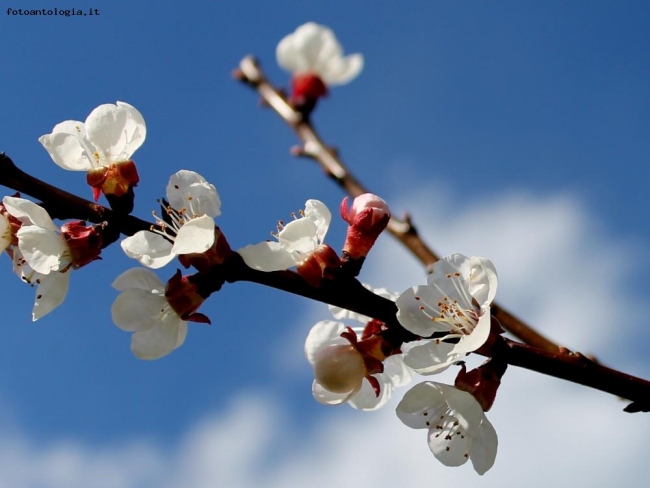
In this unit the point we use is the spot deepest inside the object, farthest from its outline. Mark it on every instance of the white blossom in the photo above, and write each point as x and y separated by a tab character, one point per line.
110	134
456	302
297	240
193	205
142	308
458	429
314	49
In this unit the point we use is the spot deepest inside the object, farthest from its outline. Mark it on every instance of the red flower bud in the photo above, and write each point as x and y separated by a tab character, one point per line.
367	218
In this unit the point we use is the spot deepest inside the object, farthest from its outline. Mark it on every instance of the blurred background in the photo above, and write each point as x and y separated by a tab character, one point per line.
514	130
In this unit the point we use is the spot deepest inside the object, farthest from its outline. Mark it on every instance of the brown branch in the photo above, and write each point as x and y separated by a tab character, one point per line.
343	291
250	73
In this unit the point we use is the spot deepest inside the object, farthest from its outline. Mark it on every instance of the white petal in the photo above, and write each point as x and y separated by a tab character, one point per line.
29	213
137	310
478	336
448	448
68	146
195	236
189	190
431	357
320	215
483	280
50	293
159	340
182	334
340	71
299	236
327	397
422	403
414	319
5	233
267	256
484	447
396	371
287	54
42	249
139	279
309	47
365	399
150	249
116	131
322	334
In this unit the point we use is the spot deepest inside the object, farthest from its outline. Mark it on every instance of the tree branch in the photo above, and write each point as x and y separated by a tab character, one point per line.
403	230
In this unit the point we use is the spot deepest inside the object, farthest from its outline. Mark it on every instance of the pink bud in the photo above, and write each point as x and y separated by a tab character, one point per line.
367	218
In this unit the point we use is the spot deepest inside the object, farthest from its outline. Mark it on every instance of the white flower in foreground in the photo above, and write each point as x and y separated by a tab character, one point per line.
455	302
111	134
43	258
297	241
142	308
314	49
189	226
340	369
458	429
5	232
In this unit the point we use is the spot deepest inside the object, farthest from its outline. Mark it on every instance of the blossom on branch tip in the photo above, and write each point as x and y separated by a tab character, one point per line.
187	224
315	58
458	429
143	307
455	304
102	146
300	244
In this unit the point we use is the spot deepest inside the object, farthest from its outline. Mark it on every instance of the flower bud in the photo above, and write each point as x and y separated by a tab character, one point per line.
84	241
339	368
116	182
183	296
367	218
306	89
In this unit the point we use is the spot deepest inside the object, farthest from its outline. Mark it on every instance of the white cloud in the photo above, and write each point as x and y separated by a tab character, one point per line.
556	269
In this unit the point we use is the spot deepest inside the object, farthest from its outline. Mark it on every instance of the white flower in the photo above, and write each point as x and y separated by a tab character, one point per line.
296	241
314	49
327	351
458	428
456	302
142	308
42	258
111	134
193	204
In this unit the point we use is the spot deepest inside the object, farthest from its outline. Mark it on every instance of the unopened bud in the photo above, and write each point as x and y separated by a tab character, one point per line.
306	89
339	368
367	218
84	241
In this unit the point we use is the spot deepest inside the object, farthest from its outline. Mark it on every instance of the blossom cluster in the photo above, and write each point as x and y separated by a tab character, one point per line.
360	364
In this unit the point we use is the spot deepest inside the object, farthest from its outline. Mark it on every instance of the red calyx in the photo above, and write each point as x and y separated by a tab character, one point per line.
84	242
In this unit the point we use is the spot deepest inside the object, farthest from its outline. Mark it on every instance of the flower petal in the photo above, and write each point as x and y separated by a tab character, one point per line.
320	215
299	236
366	400
139	279
340	71
5	233
195	236
323	333
422	403
42	248
397	372
484	448
150	249
68	146
327	397
189	190
29	213
136	310
159	340
412	317
267	256
432	357
478	336
116	131
482	280
50	293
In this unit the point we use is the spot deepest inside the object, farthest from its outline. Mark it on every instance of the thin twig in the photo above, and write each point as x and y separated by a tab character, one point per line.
251	74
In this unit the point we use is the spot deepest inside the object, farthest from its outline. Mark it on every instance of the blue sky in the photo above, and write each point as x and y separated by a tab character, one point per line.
513	130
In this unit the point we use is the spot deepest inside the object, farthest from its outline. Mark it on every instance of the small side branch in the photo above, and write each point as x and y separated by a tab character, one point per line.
403	230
